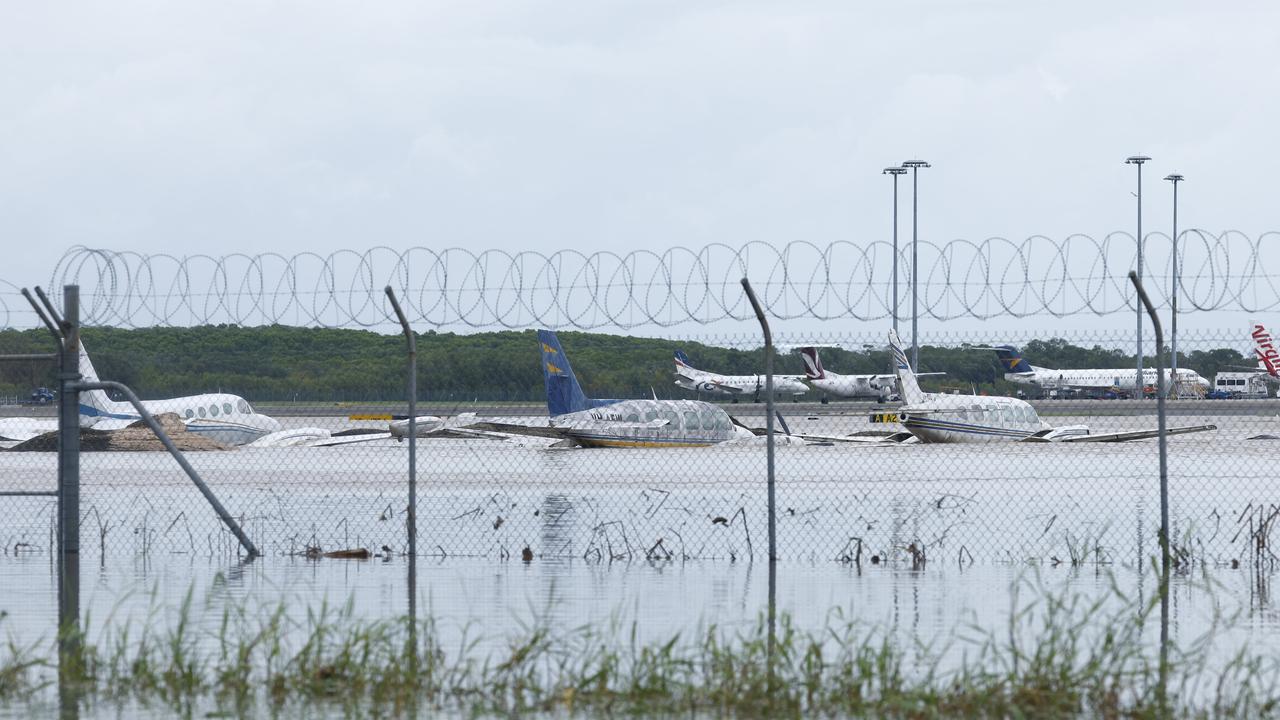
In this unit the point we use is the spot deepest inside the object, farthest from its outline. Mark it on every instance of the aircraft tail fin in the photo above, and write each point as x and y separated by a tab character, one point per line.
682	360
812	365
1265	348
564	394
95	403
910	389
1011	360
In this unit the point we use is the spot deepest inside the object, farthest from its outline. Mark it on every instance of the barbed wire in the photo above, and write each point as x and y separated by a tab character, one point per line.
994	278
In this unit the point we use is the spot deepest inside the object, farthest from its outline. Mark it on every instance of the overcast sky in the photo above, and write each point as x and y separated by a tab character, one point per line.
315	126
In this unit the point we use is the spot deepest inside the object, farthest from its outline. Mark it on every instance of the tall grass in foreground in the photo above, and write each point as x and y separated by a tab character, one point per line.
1059	656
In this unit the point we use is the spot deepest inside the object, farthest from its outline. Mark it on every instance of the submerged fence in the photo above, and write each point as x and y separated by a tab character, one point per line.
334	479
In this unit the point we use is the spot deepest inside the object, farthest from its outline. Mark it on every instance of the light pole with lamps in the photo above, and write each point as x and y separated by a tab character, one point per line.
1138	160
895	172
915	166
1173	296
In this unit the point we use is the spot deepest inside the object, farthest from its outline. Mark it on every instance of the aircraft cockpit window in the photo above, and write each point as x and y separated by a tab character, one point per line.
201	410
226	408
213	410
243	407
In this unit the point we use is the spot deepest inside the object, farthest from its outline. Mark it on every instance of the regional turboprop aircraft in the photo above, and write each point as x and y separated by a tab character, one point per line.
735	386
1018	370
872	387
618	423
941	418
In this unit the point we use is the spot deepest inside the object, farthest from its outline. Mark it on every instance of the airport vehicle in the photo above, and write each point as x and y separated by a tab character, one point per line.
1093	380
225	418
41	396
939	418
735	386
619	423
1239	385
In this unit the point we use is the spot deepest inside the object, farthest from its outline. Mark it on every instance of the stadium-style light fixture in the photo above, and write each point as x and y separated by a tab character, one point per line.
915	166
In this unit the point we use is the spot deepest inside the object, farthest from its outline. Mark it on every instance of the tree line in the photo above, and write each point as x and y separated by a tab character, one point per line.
282	363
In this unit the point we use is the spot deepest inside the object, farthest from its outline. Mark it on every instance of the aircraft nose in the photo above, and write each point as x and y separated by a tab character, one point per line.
267	423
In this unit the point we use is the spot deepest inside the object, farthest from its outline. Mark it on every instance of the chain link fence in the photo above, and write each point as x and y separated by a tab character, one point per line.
333	477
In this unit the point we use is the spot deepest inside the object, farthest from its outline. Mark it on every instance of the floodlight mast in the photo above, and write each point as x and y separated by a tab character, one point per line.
1174	179
895	172
1138	160
915	166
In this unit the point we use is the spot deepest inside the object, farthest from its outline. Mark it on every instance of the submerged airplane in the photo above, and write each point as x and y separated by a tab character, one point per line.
735	386
618	423
224	418
1017	369
941	418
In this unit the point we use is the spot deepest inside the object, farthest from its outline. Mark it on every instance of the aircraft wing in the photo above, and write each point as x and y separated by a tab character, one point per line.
23	429
1138	434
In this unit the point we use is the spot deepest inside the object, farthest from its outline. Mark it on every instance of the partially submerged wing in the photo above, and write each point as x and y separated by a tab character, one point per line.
1138	434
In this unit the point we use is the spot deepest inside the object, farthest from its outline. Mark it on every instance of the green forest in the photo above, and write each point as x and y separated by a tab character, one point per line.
279	363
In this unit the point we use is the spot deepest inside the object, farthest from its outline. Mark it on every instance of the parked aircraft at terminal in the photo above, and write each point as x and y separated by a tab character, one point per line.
1017	369
735	386
942	418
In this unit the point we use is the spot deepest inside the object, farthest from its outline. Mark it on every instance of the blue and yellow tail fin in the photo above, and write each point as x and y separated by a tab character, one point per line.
564	394
1011	360
910	389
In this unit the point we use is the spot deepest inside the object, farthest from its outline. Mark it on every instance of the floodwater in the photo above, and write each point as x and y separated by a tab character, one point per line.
921	542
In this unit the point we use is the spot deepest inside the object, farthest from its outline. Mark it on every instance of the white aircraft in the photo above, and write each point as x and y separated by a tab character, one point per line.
872	387
735	386
941	418
1018	370
579	420
225	418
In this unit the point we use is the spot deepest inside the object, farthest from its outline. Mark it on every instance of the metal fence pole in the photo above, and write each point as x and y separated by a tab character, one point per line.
69	661
768	421
1160	412
411	522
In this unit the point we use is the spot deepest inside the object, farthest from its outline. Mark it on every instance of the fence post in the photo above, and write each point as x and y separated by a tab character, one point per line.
768	421
68	494
411	522
1164	467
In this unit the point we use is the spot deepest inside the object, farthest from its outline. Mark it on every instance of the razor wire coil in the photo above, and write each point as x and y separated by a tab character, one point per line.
994	278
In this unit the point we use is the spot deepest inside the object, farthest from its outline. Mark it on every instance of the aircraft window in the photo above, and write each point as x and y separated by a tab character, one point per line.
671	417
201	410
633	417
226	408
962	414
213	410
188	413
650	415
243	407
691	420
